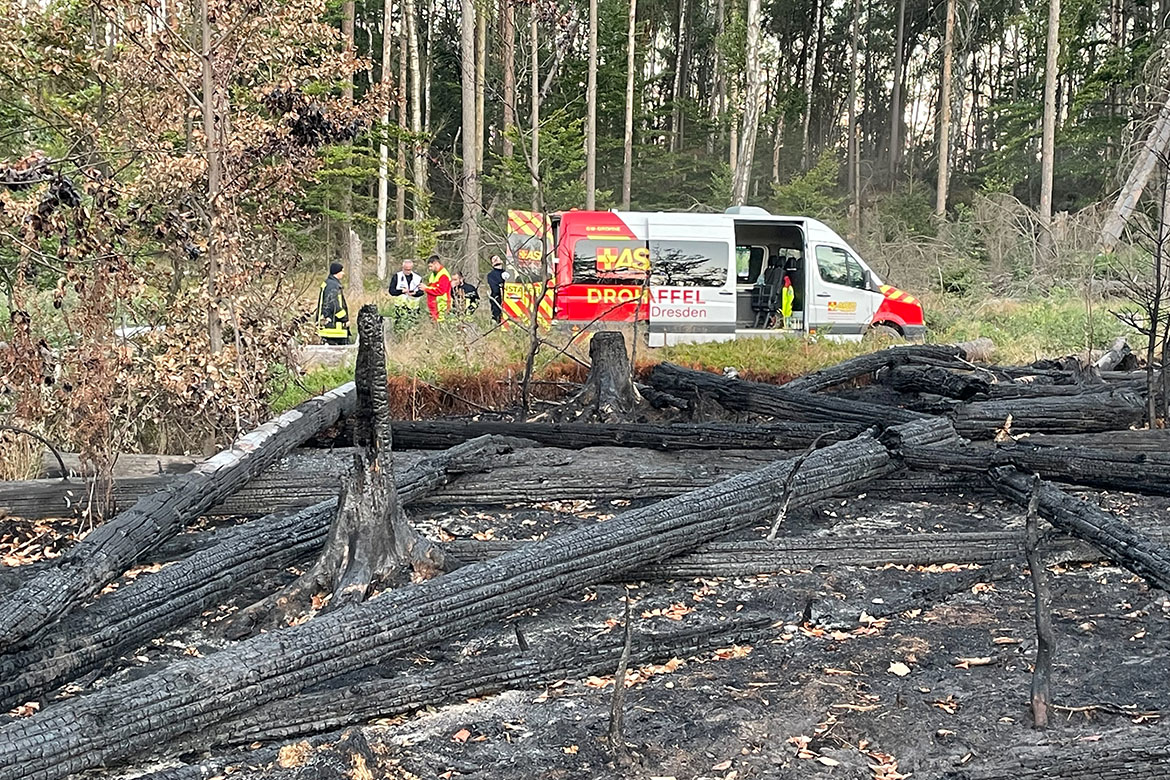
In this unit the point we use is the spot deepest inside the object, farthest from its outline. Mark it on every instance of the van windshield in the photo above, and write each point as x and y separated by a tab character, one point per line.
689	263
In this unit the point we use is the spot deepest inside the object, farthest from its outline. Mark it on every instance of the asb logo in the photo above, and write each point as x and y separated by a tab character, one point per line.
615	260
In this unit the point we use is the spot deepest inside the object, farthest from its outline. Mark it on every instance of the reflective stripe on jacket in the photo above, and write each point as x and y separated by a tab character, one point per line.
438	290
332	314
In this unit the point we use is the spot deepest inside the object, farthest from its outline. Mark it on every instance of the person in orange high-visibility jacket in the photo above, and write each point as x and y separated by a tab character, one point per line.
438	289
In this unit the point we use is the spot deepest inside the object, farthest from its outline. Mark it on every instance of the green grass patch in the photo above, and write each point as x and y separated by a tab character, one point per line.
288	390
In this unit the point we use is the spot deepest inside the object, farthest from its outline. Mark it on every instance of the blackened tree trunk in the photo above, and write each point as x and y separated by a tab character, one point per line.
609	394
370	543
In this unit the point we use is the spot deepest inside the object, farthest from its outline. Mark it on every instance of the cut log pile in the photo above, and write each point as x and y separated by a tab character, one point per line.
732	456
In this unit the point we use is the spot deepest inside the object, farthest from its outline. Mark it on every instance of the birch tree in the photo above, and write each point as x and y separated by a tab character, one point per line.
944	114
383	144
469	181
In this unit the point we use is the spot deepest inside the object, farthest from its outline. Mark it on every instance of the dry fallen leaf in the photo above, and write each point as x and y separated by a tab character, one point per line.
967	663
461	735
721	766
295	755
571	750
899	668
828	761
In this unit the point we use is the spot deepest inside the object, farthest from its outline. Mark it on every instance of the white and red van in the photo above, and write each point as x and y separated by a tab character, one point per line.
701	277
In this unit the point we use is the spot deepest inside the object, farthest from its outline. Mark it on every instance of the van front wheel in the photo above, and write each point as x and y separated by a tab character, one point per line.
883	332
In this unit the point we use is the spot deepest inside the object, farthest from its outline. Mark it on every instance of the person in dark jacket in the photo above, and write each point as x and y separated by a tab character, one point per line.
495	281
332	311
464	294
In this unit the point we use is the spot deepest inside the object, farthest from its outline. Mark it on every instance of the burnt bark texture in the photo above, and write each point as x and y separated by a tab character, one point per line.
1042	591
370	542
1081	413
192	696
1125	546
230	561
432	434
1135	471
869	364
117	544
1117	755
608	395
782	402
937	381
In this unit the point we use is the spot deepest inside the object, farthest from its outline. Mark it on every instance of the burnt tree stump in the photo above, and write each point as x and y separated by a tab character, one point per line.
370	543
609	394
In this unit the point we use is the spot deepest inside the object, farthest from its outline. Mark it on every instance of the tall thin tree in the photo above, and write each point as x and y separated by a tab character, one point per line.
508	65
677	86
468	181
534	105
1048	133
812	54
416	114
854	147
591	114
212	130
751	107
896	119
628	137
944	114
400	152
384	140
351	256
480	85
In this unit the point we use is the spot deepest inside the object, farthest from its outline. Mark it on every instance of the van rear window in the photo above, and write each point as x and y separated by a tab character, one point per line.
689	263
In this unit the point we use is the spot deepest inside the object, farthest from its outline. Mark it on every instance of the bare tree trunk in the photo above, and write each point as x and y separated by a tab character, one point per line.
777	145
403	124
534	108
1157	143
469	181
591	114
383	145
896	97
628	138
718	80
480	83
676	113
810	71
751	109
944	113
508	55
416	114
1048	135
212	130
353	269
733	108
854	149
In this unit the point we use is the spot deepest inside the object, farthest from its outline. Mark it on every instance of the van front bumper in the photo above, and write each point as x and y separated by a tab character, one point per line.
914	332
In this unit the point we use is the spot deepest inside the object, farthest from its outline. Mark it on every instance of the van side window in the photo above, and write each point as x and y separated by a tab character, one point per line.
837	266
610	261
689	263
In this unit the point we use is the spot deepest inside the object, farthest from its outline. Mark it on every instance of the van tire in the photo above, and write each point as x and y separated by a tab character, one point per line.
883	332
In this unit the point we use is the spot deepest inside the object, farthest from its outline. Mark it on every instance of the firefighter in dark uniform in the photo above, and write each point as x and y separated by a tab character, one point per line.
332	311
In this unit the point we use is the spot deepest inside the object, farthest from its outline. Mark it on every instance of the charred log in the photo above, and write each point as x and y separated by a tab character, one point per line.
870	364
229	561
432	434
1126	547
1135	472
334	705
937	381
782	402
1084	413
1117	756
194	695
115	545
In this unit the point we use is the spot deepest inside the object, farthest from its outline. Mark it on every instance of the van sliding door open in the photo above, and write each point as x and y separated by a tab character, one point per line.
692	278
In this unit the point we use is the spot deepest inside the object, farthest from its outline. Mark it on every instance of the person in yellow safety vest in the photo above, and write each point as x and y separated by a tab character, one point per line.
438	289
406	292
786	296
332	311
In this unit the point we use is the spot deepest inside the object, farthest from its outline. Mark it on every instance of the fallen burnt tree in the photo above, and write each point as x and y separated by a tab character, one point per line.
434	434
1121	755
344	703
757	397
1126	547
937	381
115	545
1081	413
871	363
188	697
1135	472
235	559
524	475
